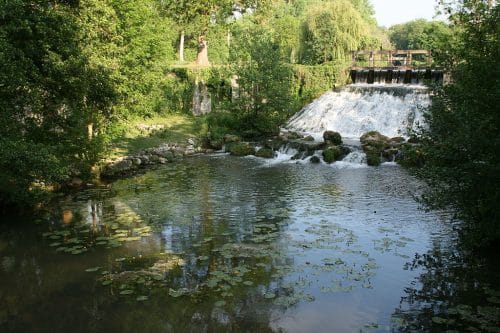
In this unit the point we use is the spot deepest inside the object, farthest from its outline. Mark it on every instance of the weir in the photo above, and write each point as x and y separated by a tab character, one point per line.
393	66
353	110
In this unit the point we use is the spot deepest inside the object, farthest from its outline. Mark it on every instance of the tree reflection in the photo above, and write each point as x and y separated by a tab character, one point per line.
457	291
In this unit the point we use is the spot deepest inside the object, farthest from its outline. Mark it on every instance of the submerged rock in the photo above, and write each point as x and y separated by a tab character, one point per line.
315	159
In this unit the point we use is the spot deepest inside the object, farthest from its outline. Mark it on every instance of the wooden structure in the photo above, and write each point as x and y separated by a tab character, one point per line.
393	59
393	66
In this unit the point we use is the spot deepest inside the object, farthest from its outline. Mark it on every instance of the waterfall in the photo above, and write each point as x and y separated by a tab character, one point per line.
390	109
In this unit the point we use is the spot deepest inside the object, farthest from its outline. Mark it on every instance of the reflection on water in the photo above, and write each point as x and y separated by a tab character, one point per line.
223	244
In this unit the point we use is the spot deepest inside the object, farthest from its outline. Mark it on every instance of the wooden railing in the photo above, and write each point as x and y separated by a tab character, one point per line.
391	59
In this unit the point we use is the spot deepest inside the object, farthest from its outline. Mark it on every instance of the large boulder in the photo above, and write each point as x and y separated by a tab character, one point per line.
380	148
332	154
265	153
241	149
332	138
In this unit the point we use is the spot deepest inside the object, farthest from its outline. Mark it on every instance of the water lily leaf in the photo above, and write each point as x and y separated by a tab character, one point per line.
142	298
269	295
120	259
126	292
107	282
55	244
55	237
177	293
93	269
248	283
76	252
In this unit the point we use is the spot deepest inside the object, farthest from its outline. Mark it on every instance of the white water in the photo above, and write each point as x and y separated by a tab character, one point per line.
390	109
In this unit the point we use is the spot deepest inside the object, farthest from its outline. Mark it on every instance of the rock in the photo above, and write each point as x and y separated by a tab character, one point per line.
216	144
333	138
373	144
315	159
274	143
230	138
117	167
390	154
162	160
265	153
332	154
241	149
191	142
286	136
144	159
373	159
308	138
136	161
76	182
374	139
154	158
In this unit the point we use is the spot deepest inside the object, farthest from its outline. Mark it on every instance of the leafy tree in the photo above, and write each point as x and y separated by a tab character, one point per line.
421	34
461	142
199	15
331	29
53	101
263	100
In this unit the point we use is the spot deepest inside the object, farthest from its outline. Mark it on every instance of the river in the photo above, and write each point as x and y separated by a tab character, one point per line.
222	244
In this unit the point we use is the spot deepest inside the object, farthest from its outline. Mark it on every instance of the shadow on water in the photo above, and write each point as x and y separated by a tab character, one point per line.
457	291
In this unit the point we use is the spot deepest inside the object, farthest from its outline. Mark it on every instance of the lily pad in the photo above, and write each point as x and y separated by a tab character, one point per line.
126	292
107	282
93	269
142	298
178	293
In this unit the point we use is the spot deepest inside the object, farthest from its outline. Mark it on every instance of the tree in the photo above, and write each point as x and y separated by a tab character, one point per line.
199	15
420	34
461	142
49	95
329	31
263	100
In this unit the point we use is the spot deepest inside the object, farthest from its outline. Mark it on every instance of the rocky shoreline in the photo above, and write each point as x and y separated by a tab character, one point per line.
377	147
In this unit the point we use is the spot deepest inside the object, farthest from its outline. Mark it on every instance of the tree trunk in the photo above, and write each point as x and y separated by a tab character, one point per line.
202	57
181	47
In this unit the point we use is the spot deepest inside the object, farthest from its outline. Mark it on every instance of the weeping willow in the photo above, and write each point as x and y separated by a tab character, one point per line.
330	30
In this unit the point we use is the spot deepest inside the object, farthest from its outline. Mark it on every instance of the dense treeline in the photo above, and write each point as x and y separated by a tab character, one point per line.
461	142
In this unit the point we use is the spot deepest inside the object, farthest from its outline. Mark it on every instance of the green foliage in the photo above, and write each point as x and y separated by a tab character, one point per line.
436	36
333	28
49	93
133	42
332	154
462	142
263	96
312	81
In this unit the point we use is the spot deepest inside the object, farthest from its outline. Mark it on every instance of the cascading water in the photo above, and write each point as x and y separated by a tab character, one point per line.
356	109
390	109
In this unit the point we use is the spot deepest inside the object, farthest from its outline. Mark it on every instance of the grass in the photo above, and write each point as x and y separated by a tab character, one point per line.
177	128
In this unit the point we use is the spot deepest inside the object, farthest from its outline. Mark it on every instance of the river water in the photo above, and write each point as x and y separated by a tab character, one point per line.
225	244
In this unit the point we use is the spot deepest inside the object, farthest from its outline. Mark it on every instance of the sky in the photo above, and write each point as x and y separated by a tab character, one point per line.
390	12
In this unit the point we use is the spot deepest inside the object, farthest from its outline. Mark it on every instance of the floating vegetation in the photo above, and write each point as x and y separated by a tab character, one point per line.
93	269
